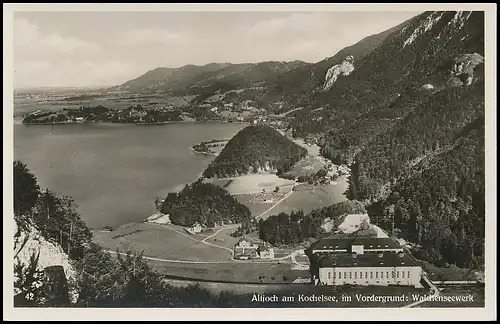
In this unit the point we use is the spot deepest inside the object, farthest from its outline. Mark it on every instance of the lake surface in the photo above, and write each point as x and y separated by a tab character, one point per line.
115	172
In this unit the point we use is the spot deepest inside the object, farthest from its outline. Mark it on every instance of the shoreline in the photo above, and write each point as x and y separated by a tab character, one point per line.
18	121
204	153
209	142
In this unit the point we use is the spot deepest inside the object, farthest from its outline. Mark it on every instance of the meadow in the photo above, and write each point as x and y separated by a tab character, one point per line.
238	271
253	183
308	197
161	241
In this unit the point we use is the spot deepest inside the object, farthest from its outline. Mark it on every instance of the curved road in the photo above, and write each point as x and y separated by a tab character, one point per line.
232	260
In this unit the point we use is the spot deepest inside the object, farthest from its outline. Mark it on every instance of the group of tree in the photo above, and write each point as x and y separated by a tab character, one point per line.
294	228
132	114
204	203
415	139
255	148
127	280
246	227
441	204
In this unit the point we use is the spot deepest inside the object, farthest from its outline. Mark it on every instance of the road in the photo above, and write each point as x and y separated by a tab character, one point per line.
232	260
276	204
434	289
213	262
204	241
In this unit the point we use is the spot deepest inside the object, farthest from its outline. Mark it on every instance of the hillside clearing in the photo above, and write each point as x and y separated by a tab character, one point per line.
161	241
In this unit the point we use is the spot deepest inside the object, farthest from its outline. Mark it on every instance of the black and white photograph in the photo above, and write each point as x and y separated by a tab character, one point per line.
297	160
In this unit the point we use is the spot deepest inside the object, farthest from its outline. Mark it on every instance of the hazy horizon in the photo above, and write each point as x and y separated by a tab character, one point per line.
101	49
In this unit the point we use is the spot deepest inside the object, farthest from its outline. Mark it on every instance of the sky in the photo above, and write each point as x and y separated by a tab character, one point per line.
90	49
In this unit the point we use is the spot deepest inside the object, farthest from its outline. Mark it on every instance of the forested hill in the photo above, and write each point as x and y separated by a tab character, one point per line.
410	117
205	204
434	47
440	203
254	149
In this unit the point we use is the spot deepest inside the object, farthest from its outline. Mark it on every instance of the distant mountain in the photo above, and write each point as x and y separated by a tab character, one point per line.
254	149
423	52
281	86
301	83
409	117
192	79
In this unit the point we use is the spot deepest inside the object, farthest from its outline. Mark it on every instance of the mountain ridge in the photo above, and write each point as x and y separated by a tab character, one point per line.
403	109
182	79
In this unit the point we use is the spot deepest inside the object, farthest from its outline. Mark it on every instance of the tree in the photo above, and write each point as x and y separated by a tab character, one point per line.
26	189
28	283
321	173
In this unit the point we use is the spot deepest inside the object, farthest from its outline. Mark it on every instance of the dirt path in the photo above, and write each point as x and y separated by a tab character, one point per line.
232	260
204	262
204	241
273	206
433	288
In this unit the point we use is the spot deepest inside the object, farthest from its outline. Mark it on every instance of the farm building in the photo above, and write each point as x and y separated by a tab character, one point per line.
266	252
245	247
195	229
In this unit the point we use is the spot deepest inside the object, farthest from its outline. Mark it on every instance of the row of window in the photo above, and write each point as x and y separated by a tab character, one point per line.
356	274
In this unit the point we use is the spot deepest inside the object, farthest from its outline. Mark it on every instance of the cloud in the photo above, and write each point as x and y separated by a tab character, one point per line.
31	39
73	73
154	35
297	22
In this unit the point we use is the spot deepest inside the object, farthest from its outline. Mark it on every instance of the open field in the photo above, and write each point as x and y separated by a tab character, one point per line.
244	272
24	106
256	208
253	183
224	239
260	203
161	241
308	166
308	198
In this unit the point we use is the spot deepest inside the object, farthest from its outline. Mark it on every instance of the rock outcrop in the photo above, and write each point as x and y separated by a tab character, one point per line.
29	242
462	73
333	73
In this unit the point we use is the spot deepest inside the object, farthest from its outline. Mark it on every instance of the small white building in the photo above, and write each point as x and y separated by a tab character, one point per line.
266	252
195	229
246	247
246	244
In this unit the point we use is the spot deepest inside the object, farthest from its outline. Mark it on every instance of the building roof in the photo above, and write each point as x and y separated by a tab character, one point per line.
346	243
388	259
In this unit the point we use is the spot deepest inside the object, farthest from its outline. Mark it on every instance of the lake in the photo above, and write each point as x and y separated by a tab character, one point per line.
114	172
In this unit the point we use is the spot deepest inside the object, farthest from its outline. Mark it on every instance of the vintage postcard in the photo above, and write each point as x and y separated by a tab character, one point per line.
244	161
